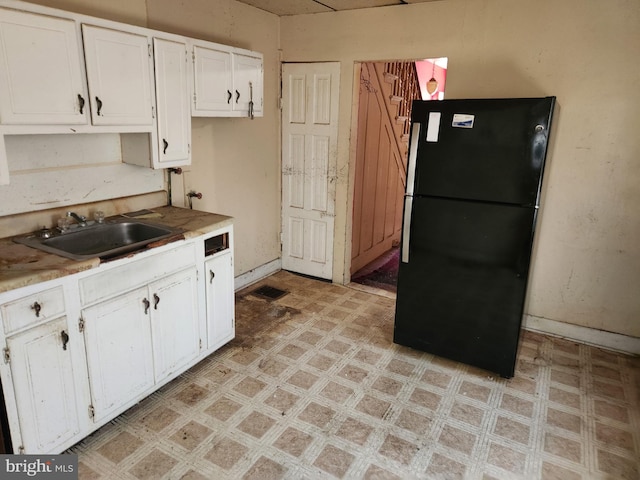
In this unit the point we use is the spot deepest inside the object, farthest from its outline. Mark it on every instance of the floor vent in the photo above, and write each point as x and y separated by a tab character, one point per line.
270	293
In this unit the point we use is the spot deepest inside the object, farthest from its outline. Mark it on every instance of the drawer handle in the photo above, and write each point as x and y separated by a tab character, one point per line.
165	145
237	96
229	95
146	305
65	339
37	307
99	103
81	104
211	275
156	301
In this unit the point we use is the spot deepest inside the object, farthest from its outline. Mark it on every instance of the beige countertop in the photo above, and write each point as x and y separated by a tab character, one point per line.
21	265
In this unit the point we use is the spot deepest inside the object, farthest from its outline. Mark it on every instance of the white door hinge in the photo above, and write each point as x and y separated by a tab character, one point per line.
21	449
200	344
153	112
150	51
6	354
92	412
81	325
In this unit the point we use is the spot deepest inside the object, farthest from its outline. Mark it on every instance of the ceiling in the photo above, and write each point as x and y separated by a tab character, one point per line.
299	7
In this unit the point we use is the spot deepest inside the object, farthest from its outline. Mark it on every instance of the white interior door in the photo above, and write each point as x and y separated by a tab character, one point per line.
309	151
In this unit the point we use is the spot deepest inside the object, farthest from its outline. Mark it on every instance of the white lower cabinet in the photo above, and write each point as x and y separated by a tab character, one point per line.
140	338
220	300
174	322
120	357
44	386
141	324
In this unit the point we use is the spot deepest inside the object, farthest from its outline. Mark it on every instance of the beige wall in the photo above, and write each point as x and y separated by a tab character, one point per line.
586	268
126	11
235	161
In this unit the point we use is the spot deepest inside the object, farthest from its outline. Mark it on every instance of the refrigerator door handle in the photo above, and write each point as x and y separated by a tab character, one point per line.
413	154
406	228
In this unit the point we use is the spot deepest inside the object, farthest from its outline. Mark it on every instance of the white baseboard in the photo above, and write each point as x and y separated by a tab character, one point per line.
257	274
590	336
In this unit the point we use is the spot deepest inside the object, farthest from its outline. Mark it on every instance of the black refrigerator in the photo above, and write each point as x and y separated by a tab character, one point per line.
474	174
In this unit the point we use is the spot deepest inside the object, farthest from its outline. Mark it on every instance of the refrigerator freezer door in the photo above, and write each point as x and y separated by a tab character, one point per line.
461	295
487	149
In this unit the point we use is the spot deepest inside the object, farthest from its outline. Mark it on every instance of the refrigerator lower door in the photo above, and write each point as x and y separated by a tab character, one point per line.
461	295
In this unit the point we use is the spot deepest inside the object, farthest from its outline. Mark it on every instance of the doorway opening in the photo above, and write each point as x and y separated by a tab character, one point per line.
385	94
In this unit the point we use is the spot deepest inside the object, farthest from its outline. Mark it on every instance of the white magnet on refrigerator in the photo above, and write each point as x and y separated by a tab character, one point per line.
433	126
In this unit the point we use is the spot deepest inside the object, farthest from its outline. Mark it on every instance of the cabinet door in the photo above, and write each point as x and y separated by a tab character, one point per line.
220	300
118	338
172	100
43	382
212	81
41	78
174	322
119	76
247	83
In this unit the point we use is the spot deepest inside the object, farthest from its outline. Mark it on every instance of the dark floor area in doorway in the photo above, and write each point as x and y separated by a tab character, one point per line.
381	273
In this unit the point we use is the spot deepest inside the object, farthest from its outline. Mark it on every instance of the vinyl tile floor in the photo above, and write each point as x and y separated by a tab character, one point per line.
313	388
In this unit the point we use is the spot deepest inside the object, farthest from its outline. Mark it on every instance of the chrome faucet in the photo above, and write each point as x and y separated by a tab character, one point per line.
82	221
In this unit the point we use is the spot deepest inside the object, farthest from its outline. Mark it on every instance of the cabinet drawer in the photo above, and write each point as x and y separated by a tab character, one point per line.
32	309
135	273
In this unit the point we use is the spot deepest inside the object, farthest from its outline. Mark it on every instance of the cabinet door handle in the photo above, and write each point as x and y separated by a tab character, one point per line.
211	275
237	96
156	301
165	145
146	305
65	339
36	307
229	95
99	103
81	104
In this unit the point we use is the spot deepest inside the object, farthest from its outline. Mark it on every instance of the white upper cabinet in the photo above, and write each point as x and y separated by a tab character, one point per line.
66	73
247	83
213	81
119	75
41	76
172	101
226	82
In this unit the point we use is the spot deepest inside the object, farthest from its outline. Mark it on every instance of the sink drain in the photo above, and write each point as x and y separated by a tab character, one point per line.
268	292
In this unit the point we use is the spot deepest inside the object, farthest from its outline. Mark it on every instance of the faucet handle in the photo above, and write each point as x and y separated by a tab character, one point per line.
82	221
63	224
45	232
